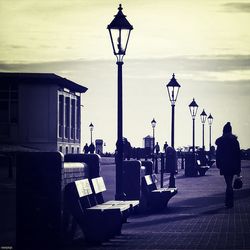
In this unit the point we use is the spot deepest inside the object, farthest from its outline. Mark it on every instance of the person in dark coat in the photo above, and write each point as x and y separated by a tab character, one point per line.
86	148
91	148
228	160
157	148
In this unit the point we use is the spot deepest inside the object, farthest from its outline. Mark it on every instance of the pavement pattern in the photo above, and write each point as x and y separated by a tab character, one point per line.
195	218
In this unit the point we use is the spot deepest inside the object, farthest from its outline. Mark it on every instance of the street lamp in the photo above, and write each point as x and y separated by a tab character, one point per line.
203	116
119	31
173	89
153	123
193	107
91	128
210	121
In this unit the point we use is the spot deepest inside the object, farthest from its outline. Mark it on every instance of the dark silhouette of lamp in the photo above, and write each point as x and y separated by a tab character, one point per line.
91	128
210	121
173	89
153	124
193	107
203	116
119	31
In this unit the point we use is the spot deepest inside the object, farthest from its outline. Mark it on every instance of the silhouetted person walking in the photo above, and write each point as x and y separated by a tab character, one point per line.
228	160
92	148
86	148
157	148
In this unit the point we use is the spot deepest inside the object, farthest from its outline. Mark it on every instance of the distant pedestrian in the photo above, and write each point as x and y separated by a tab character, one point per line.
165	146
157	148
228	160
86	149
91	148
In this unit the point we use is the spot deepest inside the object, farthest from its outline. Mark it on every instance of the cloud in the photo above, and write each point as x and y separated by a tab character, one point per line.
237	7
156	68
150	67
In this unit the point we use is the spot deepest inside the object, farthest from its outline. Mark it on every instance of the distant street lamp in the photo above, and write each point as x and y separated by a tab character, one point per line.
153	123
203	116
210	121
173	89
91	127
119	31
193	107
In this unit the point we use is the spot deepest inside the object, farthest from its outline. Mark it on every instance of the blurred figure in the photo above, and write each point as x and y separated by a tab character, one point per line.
86	149
165	146
228	160
91	148
157	148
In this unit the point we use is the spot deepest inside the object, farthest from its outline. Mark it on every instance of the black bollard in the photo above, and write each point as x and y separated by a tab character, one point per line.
162	168
156	164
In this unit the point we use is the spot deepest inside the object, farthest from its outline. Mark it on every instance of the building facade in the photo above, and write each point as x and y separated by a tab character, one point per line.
148	142
99	146
40	111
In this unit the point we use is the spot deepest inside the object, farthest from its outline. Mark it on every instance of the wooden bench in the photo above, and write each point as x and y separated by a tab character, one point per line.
156	198
99	187
202	168
97	222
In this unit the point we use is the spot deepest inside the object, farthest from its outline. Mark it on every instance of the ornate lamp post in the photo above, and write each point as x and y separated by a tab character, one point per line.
173	89
91	128
210	121
119	31
193	107
153	123
203	116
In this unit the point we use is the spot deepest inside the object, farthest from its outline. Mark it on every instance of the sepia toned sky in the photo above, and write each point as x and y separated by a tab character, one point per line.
205	43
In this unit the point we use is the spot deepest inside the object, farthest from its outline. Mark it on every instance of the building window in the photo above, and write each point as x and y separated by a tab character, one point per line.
73	118
61	113
78	150
72	150
8	108
66	150
78	117
67	116
60	149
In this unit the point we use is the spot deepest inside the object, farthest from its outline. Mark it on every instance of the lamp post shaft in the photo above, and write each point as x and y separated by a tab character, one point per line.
172	126
203	143
153	139
209	137
119	159
91	136
193	135
172	171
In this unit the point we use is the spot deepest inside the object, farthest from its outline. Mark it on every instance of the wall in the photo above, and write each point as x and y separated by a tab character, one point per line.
38	116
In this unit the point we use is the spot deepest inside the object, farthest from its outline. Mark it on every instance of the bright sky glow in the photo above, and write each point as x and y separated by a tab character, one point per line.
205	43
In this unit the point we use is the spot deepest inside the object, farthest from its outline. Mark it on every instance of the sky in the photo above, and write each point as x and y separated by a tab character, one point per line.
205	43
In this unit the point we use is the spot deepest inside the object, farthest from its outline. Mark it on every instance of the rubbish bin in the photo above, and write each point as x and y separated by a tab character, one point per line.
190	165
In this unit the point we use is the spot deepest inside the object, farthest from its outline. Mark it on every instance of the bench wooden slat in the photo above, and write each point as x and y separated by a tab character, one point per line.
121	207
83	187
132	203
99	187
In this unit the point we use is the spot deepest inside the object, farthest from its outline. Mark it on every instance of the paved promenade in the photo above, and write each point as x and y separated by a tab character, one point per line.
195	219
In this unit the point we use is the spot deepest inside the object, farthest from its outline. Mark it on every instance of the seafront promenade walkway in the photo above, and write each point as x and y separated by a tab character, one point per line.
195	219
